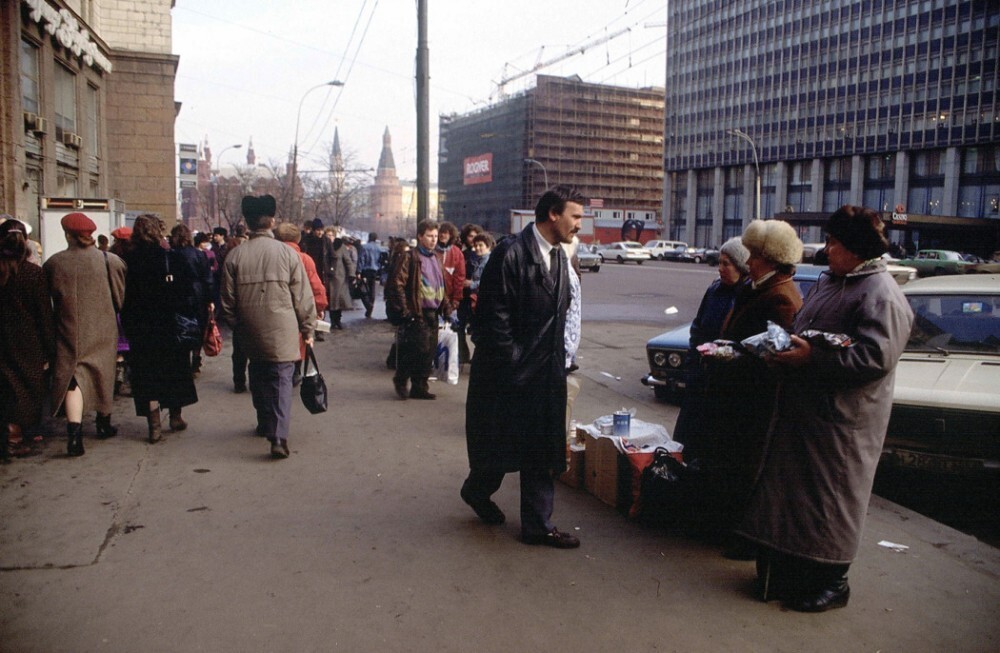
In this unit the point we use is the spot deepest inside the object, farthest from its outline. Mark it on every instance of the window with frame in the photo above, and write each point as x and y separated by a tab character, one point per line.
29	77
93	118
65	101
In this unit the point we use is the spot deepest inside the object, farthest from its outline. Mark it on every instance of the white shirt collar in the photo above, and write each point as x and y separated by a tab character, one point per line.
756	284
544	245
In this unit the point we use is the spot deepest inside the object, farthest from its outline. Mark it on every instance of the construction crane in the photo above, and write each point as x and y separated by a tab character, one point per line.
580	49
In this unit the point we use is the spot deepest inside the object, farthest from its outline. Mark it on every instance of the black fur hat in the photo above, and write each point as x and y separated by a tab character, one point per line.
258	207
860	230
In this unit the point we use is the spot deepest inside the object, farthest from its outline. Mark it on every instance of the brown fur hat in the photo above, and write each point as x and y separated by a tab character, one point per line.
860	230
774	240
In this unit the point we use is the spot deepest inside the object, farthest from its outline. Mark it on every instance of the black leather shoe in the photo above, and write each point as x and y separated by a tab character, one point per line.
422	394
400	387
830	598
279	449
239	388
553	538
487	511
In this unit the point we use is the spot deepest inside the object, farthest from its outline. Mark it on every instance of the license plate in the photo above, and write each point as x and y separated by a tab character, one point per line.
933	462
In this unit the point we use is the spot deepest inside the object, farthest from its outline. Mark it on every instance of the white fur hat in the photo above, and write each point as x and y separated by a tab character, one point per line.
774	240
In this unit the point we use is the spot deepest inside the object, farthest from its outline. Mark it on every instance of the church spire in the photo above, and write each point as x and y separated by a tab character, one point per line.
385	161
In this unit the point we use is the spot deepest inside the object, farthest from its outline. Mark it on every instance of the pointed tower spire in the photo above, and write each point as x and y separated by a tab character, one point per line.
385	161
336	161
251	155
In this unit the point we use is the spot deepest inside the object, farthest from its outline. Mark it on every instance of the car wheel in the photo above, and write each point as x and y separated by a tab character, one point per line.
640	262
660	257
697	259
601	256
621	261
596	268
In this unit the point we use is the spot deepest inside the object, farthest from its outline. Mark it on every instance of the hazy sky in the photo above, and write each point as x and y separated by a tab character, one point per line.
246	64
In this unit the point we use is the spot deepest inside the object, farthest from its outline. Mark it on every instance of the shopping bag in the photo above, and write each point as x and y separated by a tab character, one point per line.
212	343
313	387
446	356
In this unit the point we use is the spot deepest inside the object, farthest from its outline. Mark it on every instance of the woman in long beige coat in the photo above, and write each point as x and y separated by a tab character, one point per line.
86	285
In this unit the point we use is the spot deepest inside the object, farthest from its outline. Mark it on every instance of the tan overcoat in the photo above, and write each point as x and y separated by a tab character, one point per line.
86	329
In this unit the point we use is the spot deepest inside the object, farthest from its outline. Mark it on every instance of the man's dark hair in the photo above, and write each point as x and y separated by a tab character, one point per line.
221	231
450	229
372	237
555	199
427	225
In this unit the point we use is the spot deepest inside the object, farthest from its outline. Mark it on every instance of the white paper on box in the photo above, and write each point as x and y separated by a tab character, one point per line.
643	436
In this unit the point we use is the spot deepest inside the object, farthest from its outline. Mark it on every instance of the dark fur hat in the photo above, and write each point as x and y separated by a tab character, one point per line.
860	230
255	208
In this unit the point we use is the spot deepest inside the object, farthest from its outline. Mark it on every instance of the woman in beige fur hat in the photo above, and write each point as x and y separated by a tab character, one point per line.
745	386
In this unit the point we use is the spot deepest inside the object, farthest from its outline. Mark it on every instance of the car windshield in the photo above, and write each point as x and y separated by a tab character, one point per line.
955	323
633	245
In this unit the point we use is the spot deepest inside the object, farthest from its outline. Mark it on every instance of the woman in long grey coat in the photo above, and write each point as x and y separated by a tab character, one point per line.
829	422
342	268
86	286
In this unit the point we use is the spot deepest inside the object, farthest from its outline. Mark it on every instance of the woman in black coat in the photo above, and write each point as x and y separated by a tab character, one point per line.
27	334
160	285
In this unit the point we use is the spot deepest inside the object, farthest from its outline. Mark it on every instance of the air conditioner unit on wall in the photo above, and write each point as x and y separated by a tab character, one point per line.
72	140
41	126
30	119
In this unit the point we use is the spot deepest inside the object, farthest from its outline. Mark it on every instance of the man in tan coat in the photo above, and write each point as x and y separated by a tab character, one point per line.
87	287
267	299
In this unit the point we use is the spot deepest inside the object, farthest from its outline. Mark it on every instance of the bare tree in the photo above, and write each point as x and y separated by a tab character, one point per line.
338	192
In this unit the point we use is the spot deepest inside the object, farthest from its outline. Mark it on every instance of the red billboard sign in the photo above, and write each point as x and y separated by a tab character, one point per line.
478	169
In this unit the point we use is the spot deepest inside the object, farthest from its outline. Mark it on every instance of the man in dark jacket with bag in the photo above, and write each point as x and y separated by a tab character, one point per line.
515	418
267	299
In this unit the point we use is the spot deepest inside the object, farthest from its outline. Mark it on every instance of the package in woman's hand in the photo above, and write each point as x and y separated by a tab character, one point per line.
718	349
772	341
827	340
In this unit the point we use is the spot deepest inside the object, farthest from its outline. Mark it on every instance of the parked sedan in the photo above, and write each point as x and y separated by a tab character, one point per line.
589	260
935	262
670	367
946	403
624	250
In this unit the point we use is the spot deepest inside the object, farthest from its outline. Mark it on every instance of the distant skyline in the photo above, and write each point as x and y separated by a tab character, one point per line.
246	64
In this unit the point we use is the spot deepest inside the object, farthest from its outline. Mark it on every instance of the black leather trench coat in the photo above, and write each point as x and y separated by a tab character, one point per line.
516	409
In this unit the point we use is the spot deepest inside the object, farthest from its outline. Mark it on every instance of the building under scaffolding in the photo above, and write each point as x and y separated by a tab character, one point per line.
606	141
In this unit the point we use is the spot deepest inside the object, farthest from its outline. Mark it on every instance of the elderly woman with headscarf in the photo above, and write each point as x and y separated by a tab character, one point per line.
162	285
830	419
87	286
26	336
741	392
692	427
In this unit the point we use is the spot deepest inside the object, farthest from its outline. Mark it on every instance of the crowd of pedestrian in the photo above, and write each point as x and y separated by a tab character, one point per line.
790	440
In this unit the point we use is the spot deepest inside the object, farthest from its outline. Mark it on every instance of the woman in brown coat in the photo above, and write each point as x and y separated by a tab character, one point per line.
86	286
743	389
26	334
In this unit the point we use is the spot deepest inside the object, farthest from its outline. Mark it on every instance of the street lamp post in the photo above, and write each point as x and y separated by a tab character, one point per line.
218	160
756	163
298	118
544	171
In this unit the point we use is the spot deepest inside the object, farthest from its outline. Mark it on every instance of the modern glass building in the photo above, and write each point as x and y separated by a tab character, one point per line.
890	104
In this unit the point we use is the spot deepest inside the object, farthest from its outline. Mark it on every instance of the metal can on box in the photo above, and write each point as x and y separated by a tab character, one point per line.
622	423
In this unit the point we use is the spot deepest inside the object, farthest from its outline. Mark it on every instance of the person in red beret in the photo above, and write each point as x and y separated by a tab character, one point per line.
87	287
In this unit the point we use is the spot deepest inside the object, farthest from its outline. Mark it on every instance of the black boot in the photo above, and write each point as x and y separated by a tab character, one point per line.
825	588
4	444
104	428
776	575
74	439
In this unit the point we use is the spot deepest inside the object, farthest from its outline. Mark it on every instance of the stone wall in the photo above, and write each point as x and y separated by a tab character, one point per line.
140	113
136	25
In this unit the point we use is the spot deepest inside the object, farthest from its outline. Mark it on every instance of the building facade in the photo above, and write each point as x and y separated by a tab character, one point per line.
890	104
606	141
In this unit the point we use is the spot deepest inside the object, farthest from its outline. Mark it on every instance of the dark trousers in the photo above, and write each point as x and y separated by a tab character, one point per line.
271	389
368	278
415	347
239	362
537	496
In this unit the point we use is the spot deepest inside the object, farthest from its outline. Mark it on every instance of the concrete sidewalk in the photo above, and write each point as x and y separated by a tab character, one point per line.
360	542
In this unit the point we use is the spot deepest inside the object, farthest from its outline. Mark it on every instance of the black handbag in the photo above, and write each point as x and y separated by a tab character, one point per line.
356	287
672	494
313	387
185	331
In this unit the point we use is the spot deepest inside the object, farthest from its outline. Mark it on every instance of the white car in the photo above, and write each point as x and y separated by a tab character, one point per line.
624	250
946	403
666	249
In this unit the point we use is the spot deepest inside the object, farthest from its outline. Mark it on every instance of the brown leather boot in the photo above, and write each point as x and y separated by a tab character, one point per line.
177	422
153	419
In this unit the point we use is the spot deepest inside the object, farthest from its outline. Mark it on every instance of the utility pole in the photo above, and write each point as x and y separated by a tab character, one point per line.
423	111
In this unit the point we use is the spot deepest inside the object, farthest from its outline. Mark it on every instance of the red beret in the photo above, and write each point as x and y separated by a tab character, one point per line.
122	233
78	223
